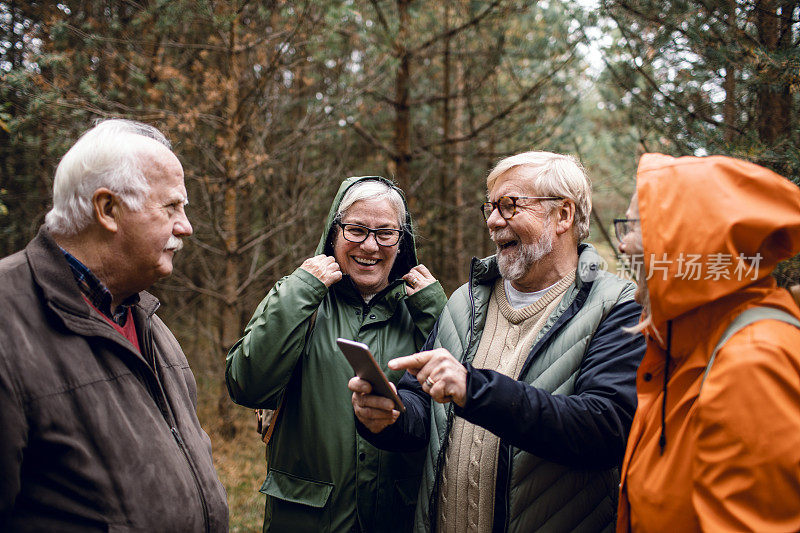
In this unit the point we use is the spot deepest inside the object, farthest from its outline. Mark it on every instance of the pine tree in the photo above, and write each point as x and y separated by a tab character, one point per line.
717	76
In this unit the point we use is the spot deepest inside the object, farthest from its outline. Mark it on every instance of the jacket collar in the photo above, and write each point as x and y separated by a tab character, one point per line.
385	301
53	275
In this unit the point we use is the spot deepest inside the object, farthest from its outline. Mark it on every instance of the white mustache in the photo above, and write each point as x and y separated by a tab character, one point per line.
174	243
503	234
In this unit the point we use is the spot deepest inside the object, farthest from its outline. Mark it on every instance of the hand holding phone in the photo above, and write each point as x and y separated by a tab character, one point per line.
365	367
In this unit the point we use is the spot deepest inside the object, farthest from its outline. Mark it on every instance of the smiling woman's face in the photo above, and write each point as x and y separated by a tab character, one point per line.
367	263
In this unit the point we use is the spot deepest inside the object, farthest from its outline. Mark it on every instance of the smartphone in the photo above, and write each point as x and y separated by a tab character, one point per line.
365	367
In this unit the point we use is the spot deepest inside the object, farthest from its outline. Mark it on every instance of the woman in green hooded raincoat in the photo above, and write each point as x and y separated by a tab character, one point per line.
364	284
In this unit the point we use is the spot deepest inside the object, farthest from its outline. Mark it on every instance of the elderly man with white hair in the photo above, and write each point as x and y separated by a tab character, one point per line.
97	402
530	372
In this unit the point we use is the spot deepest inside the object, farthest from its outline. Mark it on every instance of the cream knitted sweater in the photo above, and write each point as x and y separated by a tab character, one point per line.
466	496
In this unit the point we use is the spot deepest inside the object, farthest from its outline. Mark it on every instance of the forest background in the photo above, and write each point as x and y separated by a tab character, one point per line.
270	104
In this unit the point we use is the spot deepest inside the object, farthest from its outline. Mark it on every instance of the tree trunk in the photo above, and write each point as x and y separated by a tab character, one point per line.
729	108
231	328
491	147
444	246
771	106
460	256
402	123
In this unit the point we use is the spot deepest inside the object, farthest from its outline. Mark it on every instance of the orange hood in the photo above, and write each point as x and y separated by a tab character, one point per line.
717	208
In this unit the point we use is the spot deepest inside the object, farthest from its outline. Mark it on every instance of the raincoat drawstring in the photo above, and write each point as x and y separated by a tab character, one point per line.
662	440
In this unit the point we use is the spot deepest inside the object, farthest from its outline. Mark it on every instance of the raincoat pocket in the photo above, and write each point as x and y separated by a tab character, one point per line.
296	503
407	490
404	501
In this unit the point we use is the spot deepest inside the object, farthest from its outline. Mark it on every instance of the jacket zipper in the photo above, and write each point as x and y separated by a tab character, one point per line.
472	311
473	314
433	501
160	398
171	421
179	440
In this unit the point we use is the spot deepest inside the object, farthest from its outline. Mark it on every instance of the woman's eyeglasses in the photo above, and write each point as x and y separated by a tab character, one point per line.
358	233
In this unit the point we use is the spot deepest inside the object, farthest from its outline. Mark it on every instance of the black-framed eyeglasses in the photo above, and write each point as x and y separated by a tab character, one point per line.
507	205
623	226
358	233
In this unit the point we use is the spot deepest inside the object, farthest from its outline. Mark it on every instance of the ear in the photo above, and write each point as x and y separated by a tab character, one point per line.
106	209
565	216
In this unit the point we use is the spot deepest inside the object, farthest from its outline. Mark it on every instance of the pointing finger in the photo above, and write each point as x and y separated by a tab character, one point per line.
413	363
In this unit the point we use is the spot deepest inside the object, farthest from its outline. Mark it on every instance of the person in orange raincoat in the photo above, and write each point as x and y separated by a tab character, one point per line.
705	234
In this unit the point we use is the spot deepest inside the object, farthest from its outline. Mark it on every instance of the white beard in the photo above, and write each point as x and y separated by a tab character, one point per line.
514	265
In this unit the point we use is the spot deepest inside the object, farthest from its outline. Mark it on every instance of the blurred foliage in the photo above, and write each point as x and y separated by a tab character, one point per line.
708	77
269	105
787	273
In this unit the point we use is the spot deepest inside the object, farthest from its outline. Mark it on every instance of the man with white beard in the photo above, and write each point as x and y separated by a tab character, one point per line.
531	374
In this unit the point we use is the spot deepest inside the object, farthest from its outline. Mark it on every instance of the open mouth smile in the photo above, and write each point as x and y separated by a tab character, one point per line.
365	262
506	245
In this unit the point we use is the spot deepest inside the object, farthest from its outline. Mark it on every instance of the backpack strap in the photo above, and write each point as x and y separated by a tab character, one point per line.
747	317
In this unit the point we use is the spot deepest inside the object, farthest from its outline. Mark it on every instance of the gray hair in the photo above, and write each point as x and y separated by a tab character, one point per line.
554	175
373	190
104	156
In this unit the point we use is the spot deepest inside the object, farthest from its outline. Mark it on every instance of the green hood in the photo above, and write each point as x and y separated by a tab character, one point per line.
406	256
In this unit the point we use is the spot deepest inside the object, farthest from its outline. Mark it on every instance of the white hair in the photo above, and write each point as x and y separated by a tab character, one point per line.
373	190
554	175
104	156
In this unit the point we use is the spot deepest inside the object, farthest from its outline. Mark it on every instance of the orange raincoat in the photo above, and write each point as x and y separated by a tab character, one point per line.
731	456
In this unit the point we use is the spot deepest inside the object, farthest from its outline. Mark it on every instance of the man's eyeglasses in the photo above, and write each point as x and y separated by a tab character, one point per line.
358	233
507	205
623	226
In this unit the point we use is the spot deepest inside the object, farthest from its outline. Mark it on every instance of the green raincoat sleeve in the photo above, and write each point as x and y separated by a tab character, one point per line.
425	306
260	364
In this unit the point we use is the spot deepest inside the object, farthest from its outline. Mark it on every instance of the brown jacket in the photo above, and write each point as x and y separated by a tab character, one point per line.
91	437
731	454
